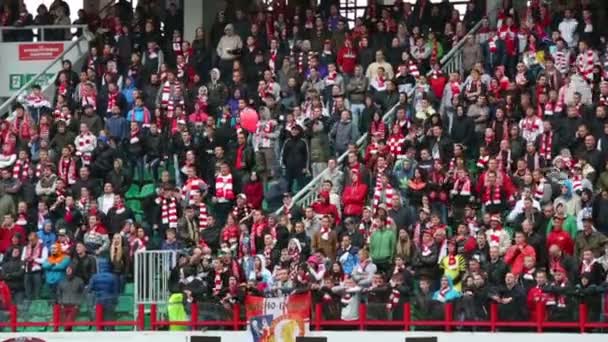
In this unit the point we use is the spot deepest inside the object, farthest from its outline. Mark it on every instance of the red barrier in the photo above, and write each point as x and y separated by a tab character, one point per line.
317	323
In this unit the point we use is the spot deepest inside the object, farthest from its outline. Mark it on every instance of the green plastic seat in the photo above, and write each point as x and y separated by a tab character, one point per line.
135	206
147	190
125	304
129	289
39	308
133	192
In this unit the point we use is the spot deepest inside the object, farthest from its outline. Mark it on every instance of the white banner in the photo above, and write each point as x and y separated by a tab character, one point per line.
332	336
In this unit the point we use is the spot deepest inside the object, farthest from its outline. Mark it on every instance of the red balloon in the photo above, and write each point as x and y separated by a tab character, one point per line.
249	120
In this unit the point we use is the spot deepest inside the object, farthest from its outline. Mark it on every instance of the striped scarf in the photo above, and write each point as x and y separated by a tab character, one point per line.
203	216
539	191
67	170
577	183
383	194
561	61
21	169
492	195
168	210
546	145
223	188
112	101
393	299
482	162
413	68
584	64
462	187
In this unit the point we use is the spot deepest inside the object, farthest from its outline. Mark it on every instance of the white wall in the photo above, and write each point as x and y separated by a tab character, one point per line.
332	336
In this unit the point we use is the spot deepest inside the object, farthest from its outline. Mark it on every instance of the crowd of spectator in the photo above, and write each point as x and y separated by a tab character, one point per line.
485	185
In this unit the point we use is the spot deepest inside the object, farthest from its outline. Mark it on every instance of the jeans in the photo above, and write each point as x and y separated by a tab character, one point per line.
153	166
442	209
137	163
33	283
296	175
356	109
317	168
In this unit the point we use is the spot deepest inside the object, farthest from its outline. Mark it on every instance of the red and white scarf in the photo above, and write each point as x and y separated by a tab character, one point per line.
112	101
21	169
119	207
586	267
168	211
462	187
85	144
539	191
413	68
134	139
393	299
67	170
546	145
223	188
395	144
482	162
492	195
203	216
388	191
492	44
584	64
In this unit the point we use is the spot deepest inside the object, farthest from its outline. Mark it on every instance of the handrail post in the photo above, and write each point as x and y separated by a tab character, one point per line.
407	316
141	317
236	316
447	312
99	317
193	316
540	316
153	316
362	316
57	318
582	317
318	314
493	316
13	317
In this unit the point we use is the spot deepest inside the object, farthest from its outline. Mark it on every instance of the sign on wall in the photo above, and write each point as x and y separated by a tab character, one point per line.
40	51
16	81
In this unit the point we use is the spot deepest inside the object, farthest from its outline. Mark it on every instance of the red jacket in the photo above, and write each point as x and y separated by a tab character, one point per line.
515	257
6	235
5	296
535	295
353	197
562	239
323	207
437	84
347	59
254	193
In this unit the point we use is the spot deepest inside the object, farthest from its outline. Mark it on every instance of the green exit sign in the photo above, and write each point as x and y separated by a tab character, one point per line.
17	81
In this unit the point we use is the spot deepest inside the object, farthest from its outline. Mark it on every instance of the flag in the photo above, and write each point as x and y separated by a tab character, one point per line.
277	319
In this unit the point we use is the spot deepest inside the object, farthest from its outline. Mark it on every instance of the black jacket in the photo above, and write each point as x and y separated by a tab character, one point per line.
294	154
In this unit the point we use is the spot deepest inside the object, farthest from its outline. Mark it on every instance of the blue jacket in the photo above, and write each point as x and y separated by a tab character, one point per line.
450	295
117	127
348	259
127	92
54	273
47	239
104	285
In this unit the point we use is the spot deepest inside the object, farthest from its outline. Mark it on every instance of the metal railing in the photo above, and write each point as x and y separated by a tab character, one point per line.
451	62
80	45
144	319
39	30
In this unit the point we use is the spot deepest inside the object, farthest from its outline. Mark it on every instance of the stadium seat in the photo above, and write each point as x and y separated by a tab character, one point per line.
125	304
129	289
147	190
133	192
134	205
